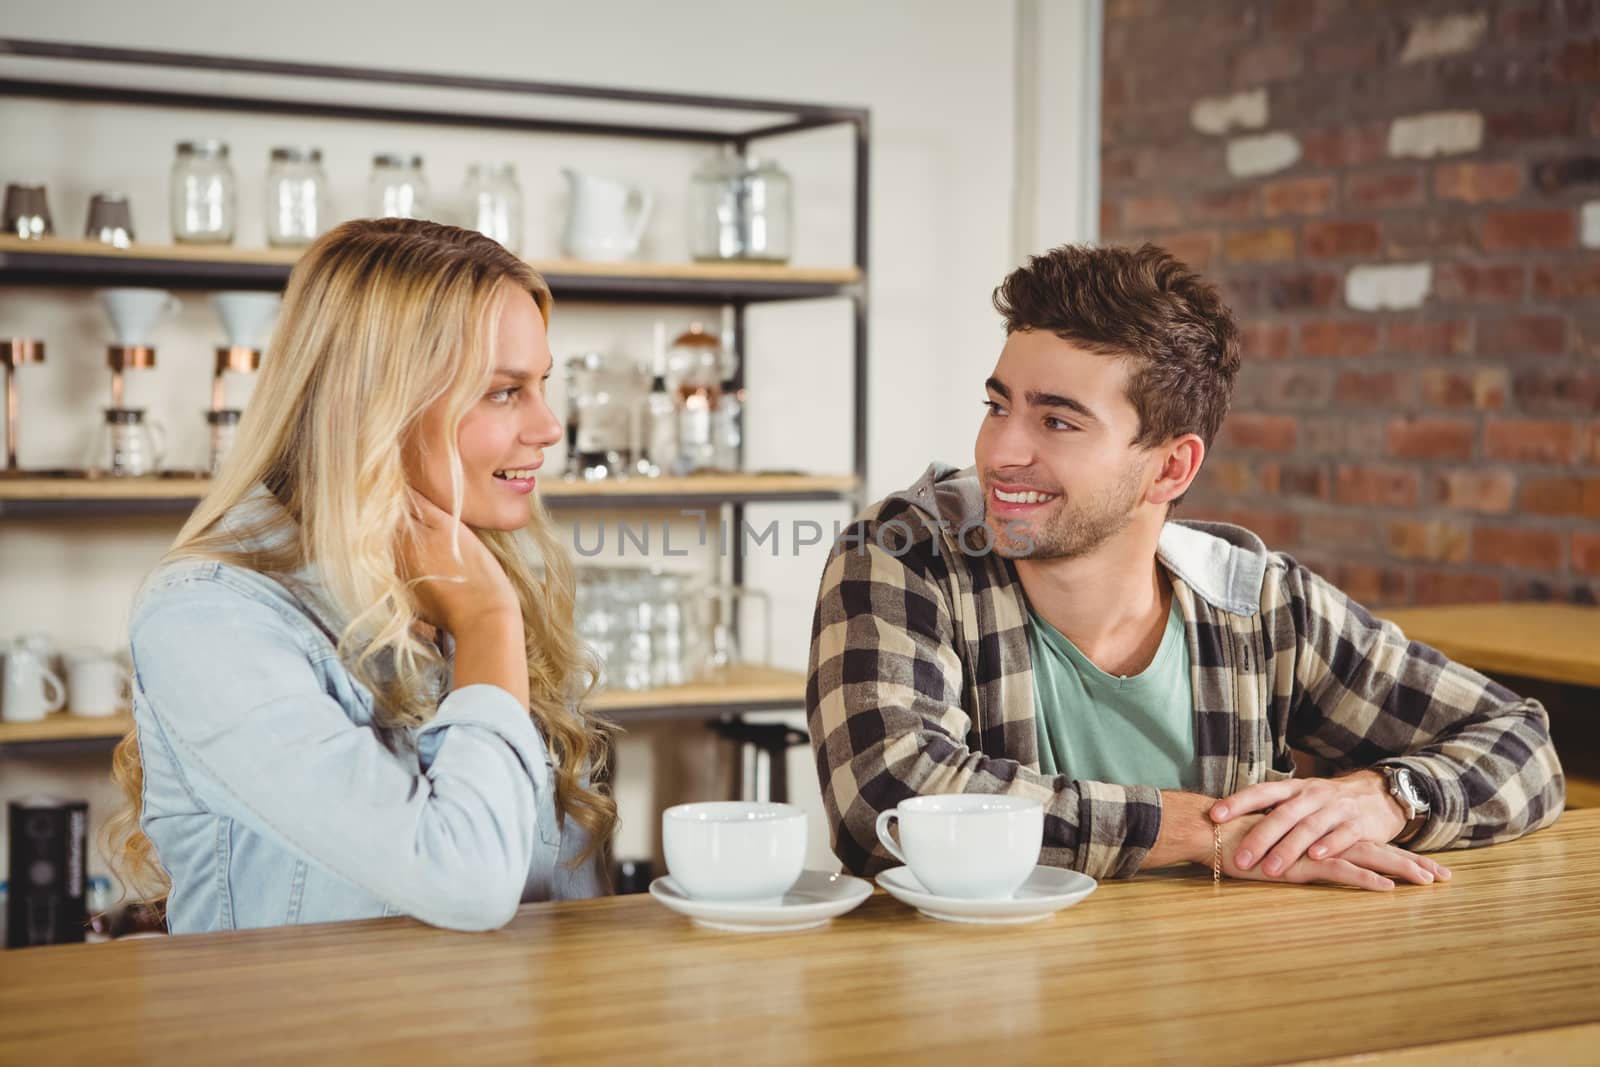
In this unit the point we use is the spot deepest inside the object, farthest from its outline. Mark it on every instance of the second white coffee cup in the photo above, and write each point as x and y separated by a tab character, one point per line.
967	845
734	850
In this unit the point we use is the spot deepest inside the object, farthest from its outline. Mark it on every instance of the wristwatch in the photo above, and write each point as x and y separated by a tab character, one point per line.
1405	790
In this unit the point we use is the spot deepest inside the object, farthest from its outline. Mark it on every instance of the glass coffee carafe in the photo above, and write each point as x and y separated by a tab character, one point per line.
605	395
129	447
224	427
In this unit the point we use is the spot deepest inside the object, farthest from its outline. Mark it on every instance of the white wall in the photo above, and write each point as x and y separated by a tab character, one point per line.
939	77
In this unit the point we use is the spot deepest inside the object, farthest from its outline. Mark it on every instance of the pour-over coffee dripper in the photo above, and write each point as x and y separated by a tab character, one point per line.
134	315
246	319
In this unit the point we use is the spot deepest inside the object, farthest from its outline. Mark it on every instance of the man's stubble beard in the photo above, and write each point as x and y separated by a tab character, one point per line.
1075	531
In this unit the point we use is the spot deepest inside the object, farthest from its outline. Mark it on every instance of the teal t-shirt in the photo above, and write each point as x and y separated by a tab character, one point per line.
1097	727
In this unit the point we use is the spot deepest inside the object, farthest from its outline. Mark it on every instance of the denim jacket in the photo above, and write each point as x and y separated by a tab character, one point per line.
274	797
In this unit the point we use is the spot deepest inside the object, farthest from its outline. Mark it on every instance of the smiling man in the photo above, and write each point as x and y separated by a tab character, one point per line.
1038	625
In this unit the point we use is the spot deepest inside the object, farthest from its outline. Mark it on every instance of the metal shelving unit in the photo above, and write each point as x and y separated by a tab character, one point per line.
120	77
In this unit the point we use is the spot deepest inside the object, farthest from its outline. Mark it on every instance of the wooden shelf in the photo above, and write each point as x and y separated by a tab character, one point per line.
62	726
25	489
62	261
1551	642
49	497
741	688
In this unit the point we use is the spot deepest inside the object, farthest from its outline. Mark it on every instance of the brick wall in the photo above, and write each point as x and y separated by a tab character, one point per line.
1401	199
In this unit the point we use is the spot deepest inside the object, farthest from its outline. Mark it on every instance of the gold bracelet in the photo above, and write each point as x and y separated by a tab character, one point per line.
1216	853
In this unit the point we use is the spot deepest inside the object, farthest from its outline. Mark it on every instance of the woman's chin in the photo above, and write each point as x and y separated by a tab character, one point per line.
504	519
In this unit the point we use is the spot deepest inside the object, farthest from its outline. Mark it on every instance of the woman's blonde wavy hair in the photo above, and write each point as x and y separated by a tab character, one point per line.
381	319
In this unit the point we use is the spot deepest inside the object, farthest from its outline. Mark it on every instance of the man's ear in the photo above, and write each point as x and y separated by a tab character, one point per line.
1180	462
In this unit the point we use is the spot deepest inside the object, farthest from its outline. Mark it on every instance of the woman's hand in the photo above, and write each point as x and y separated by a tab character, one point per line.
1317	819
453	594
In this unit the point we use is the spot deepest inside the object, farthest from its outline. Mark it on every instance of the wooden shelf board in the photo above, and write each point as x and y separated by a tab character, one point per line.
59	253
25	488
24	494
67	246
732	689
63	726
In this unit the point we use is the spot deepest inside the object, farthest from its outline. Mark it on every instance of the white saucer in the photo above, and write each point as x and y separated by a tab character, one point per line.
817	897
1047	891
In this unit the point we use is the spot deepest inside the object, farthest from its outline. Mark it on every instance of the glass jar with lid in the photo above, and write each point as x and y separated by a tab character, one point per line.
297	197
494	203
741	208
397	187
204	210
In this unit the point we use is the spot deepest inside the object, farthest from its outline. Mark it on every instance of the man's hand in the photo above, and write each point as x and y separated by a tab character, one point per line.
1362	866
1317	819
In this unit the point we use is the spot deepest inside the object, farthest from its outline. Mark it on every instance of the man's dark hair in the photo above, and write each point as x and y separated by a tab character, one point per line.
1141	304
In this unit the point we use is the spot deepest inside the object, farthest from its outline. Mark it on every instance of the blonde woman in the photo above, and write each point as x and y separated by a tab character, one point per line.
356	674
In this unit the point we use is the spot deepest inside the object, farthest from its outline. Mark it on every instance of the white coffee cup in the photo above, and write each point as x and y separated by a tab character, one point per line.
974	846
97	684
32	689
734	850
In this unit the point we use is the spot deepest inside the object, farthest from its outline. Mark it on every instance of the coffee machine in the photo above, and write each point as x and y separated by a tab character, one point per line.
49	844
128	445
133	314
247	320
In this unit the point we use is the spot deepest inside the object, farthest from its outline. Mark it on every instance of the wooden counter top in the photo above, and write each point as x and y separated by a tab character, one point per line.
1502	961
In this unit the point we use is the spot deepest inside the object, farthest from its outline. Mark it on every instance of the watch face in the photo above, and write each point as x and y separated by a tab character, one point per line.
1409	789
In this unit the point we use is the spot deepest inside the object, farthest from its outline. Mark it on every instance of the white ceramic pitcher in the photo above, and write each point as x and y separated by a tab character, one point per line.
606	218
32	689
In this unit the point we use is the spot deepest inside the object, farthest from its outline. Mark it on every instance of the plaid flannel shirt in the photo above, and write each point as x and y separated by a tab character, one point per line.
921	681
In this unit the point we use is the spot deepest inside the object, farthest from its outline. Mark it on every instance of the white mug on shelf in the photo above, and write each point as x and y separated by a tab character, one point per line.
40	645
32	689
97	683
